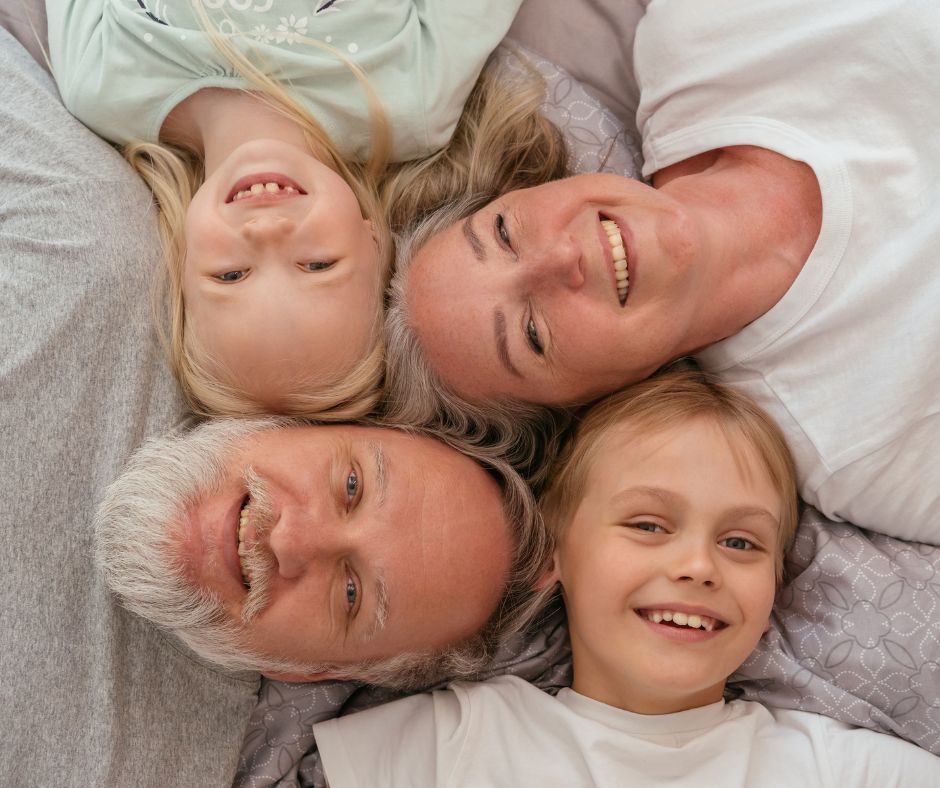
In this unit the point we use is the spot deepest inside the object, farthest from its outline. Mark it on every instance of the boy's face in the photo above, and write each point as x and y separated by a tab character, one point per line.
668	524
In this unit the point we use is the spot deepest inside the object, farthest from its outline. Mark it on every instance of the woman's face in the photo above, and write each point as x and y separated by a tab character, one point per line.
522	299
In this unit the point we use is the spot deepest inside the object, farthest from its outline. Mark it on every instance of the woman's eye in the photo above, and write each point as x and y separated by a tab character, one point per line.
318	265
352	486
501	231
738	543
352	593
532	335
230	276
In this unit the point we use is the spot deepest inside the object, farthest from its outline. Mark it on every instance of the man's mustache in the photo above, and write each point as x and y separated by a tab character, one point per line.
258	561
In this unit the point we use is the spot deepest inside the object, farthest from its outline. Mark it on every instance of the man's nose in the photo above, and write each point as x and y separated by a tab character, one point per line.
556	262
266	228
695	561
299	539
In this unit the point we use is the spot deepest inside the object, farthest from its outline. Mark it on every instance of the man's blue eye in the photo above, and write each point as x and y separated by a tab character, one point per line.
532	335
352	593
738	543
230	276
352	485
318	265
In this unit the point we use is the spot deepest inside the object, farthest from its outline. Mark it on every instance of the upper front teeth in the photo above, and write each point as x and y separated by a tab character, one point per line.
620	258
259	188
242	548
682	619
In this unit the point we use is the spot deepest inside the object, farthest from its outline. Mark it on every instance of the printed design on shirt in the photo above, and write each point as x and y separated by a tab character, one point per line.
273	29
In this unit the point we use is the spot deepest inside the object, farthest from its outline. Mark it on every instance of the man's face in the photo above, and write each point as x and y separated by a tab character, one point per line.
668	524
372	543
522	299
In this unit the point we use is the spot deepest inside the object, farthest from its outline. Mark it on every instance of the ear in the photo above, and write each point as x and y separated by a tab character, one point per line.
549	577
301	678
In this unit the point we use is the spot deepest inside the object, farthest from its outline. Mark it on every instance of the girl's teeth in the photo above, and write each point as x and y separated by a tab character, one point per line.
271	187
257	188
681	619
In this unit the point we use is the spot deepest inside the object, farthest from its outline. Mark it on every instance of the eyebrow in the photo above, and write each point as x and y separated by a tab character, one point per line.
476	245
502	343
381	608
669	497
381	470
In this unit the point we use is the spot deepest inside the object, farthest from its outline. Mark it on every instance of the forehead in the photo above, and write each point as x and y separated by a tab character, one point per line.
699	456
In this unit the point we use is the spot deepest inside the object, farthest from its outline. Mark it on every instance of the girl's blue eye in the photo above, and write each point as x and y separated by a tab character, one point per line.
738	543
352	593
318	265
230	276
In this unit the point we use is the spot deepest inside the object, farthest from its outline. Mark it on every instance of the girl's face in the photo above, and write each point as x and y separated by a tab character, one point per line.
524	298
283	277
668	566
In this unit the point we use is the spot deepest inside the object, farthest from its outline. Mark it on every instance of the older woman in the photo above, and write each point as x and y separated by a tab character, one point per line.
787	240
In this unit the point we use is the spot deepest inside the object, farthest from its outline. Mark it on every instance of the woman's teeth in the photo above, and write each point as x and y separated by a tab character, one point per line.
242	547
260	188
681	619
620	258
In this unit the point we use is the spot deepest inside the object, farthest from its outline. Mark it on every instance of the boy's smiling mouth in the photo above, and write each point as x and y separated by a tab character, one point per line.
679	619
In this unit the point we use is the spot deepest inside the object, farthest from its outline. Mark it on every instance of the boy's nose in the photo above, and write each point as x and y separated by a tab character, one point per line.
695	563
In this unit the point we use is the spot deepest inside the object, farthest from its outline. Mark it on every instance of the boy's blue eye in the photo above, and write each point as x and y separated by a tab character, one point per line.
738	543
318	265
230	276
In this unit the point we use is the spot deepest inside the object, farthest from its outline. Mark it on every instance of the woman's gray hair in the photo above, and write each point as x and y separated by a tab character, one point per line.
526	434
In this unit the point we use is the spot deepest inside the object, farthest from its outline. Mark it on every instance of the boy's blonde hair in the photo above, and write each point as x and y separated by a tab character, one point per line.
175	174
669	398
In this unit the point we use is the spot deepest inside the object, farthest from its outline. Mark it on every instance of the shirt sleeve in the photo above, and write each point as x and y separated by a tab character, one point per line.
398	743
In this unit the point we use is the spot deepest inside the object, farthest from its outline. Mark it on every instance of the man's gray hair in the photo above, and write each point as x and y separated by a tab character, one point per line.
525	433
165	474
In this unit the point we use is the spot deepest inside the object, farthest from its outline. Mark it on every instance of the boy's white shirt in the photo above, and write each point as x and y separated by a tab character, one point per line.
505	732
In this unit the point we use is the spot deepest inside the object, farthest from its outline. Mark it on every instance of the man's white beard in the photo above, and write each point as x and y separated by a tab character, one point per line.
133	530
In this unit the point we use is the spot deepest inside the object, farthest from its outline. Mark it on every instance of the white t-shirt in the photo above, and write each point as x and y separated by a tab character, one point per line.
848	362
505	732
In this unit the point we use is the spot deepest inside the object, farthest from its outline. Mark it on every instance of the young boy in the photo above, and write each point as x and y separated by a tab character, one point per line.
671	510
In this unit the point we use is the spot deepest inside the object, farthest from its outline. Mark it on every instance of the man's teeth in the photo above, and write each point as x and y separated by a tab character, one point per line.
681	619
620	258
259	188
242	547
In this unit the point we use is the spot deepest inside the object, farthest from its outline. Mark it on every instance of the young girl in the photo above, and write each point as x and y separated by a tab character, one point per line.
671	510
264	130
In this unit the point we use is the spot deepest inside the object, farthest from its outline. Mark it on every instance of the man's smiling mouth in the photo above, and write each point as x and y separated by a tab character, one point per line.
242	546
620	258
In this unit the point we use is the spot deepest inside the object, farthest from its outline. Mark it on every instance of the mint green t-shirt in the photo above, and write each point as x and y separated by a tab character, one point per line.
123	65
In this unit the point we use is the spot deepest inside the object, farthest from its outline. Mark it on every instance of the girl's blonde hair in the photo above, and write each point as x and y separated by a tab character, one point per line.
175	174
677	395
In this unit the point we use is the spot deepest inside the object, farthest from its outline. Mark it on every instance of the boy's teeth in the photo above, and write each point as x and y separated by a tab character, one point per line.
681	619
620	258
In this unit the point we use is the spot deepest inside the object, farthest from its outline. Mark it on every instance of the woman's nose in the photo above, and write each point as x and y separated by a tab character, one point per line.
557	262
267	228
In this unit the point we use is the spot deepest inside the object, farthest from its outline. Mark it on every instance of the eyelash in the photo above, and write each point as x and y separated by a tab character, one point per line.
501	232
748	542
222	277
318	265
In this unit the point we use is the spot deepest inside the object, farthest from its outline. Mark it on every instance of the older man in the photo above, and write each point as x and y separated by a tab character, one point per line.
309	552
